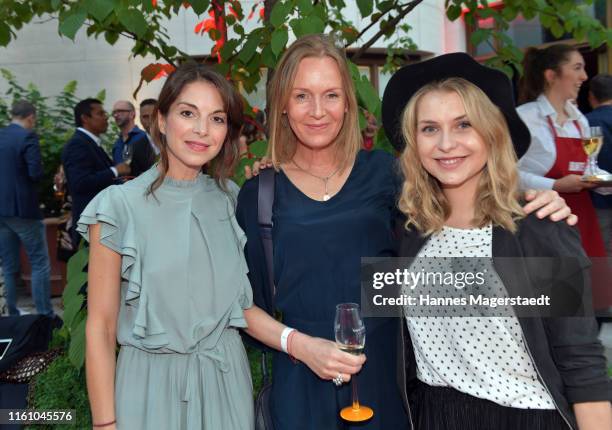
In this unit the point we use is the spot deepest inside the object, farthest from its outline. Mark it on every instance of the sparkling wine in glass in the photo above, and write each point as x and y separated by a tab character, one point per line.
350	337
127	153
592	146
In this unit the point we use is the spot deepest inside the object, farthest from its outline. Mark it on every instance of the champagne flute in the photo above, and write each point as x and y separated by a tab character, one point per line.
350	337
128	151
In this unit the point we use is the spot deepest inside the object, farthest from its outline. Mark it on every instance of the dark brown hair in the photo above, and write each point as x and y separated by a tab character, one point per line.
601	87
222	166
535	63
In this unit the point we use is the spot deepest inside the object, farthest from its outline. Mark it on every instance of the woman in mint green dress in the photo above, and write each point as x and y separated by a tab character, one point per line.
167	276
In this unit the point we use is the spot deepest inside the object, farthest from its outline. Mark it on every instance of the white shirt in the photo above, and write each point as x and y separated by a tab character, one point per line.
99	143
485	357
542	152
155	149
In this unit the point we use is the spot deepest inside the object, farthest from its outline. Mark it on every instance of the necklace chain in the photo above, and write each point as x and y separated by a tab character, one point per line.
325	179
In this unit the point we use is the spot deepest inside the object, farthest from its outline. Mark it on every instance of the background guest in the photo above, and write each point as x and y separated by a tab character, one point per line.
20	216
147	106
87	166
141	156
600	98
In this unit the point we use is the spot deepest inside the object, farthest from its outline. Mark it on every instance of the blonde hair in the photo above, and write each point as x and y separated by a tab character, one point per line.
282	141
422	199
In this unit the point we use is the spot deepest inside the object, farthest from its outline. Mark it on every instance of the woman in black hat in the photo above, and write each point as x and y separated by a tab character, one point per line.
460	198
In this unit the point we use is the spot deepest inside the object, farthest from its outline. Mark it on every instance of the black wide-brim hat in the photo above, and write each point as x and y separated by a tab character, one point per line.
409	79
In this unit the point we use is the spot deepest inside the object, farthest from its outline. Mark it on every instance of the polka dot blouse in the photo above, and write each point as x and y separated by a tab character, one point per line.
484	357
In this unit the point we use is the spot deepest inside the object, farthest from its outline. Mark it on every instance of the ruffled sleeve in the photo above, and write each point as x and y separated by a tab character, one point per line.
246	297
109	209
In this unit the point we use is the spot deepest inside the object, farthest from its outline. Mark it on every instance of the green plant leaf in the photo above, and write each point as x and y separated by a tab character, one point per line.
111	37
199	6
258	148
453	12
5	34
133	20
76	350
365	7
305	6
479	36
228	48
77	262
70	24
367	94
279	13
280	37
249	48
101	95
99	9
312	25
267	57
72	308
74	286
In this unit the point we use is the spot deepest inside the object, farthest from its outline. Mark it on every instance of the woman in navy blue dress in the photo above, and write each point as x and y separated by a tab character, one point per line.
334	204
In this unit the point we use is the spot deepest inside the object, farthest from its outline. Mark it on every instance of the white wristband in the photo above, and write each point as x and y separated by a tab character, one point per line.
284	337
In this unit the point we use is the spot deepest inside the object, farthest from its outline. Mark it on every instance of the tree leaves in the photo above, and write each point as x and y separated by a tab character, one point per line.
365	7
199	6
279	13
5	34
133	20
280	37
76	350
249	48
309	25
453	12
71	23
99	9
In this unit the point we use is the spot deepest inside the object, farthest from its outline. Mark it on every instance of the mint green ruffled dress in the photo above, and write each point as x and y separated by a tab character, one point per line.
184	285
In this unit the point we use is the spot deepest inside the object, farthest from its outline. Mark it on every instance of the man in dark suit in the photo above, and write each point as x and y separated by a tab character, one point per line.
20	215
88	168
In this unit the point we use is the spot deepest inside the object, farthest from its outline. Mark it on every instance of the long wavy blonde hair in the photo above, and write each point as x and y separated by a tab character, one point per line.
282	141
422	200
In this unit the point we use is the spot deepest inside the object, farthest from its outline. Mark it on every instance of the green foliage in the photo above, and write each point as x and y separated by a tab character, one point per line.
74	298
61	386
557	16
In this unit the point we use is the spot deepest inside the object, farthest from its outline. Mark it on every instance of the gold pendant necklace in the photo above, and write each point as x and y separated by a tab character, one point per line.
325	179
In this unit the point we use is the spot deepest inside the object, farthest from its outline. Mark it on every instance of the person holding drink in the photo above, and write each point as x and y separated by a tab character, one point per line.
457	122
333	204
557	158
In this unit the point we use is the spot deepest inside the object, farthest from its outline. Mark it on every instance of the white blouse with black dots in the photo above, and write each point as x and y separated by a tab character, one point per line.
483	357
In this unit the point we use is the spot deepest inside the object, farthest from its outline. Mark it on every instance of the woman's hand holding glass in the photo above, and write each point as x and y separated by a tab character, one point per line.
324	357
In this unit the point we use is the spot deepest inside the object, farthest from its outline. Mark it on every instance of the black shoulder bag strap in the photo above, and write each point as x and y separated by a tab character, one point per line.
265	201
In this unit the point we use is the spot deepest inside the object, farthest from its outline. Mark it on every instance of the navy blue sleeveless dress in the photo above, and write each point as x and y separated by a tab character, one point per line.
317	252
